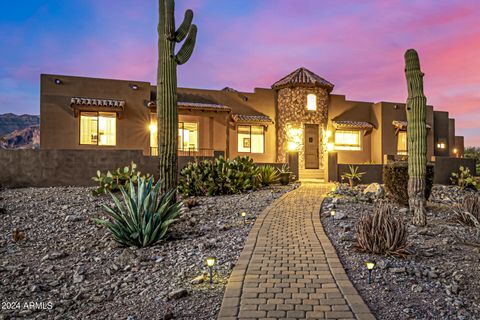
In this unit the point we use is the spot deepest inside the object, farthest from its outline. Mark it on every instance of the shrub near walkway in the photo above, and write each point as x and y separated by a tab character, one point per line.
69	260
437	280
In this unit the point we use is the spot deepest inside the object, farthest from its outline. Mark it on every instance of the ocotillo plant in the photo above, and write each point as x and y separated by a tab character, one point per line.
416	137
167	113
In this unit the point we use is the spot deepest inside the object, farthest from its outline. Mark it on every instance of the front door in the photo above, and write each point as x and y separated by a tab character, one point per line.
311	146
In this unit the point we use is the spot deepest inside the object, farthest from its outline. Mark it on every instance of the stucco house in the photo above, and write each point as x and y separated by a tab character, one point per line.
298	113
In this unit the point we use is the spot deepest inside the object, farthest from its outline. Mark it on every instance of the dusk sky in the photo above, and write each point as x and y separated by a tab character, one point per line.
357	45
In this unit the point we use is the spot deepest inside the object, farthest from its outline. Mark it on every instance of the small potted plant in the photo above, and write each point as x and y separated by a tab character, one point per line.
284	174
353	176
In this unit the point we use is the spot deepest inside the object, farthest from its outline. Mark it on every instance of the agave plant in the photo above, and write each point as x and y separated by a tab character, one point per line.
267	175
144	216
468	210
382	233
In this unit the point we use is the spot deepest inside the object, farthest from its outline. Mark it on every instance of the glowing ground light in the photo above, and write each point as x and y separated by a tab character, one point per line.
370	266
210	262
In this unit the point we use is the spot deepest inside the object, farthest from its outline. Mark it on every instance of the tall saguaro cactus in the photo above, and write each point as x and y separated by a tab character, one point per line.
167	114
416	137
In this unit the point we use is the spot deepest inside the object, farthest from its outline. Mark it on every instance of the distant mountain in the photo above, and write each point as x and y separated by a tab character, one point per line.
27	138
10	122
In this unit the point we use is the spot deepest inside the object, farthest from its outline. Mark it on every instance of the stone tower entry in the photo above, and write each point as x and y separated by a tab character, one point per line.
302	115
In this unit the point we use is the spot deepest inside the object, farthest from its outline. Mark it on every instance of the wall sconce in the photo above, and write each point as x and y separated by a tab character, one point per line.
330	146
134	87
294	138
58	81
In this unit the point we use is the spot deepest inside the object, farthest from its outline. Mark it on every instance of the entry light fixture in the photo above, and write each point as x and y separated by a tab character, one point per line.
370	266
330	146
134	87
455	150
210	262
58	81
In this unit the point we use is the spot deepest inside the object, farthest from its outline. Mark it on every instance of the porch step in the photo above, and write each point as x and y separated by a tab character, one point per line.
311	174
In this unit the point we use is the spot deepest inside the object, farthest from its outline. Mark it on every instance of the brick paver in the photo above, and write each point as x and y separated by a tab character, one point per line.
288	268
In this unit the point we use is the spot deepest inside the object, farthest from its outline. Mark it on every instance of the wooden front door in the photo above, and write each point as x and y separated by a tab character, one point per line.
311	146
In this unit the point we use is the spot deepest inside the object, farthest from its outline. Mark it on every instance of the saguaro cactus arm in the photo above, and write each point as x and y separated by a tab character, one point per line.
416	137
182	31
186	50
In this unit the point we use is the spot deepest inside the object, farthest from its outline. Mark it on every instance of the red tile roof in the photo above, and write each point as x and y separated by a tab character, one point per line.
302	77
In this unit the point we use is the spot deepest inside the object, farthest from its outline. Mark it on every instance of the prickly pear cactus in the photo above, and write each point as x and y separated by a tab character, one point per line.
167	113
416	137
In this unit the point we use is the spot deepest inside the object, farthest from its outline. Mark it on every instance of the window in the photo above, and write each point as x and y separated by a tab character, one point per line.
347	140
402	143
251	139
98	128
311	102
188	136
153	135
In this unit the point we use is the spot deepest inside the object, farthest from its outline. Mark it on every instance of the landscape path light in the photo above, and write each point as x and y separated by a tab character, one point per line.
333	212
370	266
244	216
210	262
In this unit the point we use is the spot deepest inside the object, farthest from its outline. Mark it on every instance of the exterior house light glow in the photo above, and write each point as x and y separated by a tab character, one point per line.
330	146
294	141
328	134
311	102
455	150
441	145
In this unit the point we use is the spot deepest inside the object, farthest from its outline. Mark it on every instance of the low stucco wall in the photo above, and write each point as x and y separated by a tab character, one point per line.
49	168
444	166
373	172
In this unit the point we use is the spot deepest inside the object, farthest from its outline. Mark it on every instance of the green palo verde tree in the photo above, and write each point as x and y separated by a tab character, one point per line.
167	113
416	137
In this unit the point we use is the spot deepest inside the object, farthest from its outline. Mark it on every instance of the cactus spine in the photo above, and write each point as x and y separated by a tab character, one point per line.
167	114
416	137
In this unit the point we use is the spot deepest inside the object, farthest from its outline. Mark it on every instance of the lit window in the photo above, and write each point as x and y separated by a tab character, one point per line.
402	143
251	139
153	135
311	102
347	140
98	128
188	136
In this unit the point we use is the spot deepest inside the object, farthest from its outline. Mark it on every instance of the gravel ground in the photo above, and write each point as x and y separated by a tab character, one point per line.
67	267
440	279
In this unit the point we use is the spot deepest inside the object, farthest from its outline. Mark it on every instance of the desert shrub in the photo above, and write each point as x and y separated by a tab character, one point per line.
464	179
395	177
353	176
267	175
144	216
381	232
218	176
467	210
112	181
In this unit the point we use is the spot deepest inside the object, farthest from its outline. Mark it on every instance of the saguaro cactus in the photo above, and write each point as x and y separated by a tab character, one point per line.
167	113
416	137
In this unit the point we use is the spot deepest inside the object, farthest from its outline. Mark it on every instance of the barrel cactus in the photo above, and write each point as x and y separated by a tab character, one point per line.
167	113
416	137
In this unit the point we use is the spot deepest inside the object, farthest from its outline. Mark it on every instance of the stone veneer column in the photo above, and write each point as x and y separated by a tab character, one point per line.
292	112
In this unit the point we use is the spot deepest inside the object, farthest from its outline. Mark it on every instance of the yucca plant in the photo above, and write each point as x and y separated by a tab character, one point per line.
267	175
381	232
144	216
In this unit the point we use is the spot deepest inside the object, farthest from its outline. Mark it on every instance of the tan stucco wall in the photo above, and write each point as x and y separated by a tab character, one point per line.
341	109
396	111
60	129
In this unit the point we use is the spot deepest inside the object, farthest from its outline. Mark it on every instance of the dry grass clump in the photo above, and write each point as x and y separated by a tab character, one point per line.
468	210
381	232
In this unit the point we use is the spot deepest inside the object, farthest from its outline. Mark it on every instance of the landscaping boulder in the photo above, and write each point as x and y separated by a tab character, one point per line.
375	189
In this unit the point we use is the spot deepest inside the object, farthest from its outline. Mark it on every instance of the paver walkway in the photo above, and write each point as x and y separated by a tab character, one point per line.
289	269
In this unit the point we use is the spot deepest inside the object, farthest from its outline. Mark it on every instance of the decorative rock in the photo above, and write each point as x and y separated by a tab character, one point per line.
417	288
398	270
73	218
198	280
177	294
375	189
339	215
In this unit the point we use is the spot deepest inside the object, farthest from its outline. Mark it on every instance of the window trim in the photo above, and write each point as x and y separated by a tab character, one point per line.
98	130
250	134
343	147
